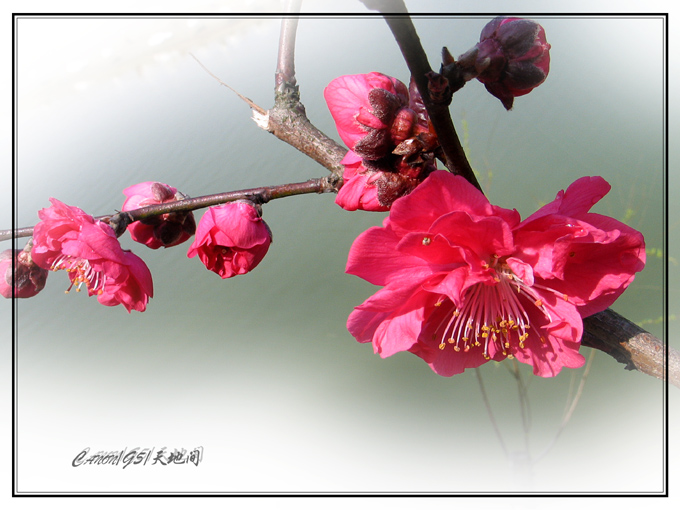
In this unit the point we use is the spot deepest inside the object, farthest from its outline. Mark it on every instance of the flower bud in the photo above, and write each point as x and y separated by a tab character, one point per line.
27	279
231	239
165	230
511	59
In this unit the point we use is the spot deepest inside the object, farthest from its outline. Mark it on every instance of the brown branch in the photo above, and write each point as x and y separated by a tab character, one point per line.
287	120
285	65
261	195
631	345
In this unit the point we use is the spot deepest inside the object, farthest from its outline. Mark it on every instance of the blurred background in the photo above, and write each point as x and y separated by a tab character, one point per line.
259	370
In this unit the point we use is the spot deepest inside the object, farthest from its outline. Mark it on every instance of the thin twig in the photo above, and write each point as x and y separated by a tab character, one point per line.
490	412
259	195
568	414
249	102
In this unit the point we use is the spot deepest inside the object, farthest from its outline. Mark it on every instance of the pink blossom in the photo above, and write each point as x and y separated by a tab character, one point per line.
465	282
231	239
67	238
27	278
169	229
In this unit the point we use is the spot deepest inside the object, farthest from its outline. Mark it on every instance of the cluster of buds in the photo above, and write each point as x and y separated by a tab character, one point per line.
391	141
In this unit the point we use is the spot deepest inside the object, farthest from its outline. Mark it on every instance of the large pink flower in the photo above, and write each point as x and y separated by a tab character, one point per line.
169	229
466	281
231	239
68	238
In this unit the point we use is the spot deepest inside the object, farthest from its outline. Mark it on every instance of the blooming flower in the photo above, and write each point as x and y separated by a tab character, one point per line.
466	281
231	239
391	143
26	280
87	249
169	229
511	59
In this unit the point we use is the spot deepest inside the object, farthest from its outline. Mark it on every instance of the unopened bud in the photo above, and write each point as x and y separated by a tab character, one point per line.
27	279
511	59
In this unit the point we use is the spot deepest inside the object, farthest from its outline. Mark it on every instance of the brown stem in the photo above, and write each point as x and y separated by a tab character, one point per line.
409	43
287	120
285	66
631	345
259	195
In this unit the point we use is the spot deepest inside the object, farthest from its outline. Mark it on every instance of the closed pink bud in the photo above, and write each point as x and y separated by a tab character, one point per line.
231	239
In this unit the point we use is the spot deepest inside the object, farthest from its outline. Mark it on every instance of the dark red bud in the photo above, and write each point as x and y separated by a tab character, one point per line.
403	125
161	192
438	87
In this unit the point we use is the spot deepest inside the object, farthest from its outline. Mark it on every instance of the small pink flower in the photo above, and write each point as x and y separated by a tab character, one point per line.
511	59
165	230
231	239
466	281
67	238
26	280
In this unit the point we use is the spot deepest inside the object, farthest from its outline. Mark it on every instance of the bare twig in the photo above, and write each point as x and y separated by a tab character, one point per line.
243	98
490	412
259	195
287	120
285	68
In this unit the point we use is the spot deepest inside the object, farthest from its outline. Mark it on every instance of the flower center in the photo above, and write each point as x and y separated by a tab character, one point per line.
492	316
81	272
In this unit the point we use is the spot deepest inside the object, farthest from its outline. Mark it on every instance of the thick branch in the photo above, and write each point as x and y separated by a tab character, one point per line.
289	123
631	345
